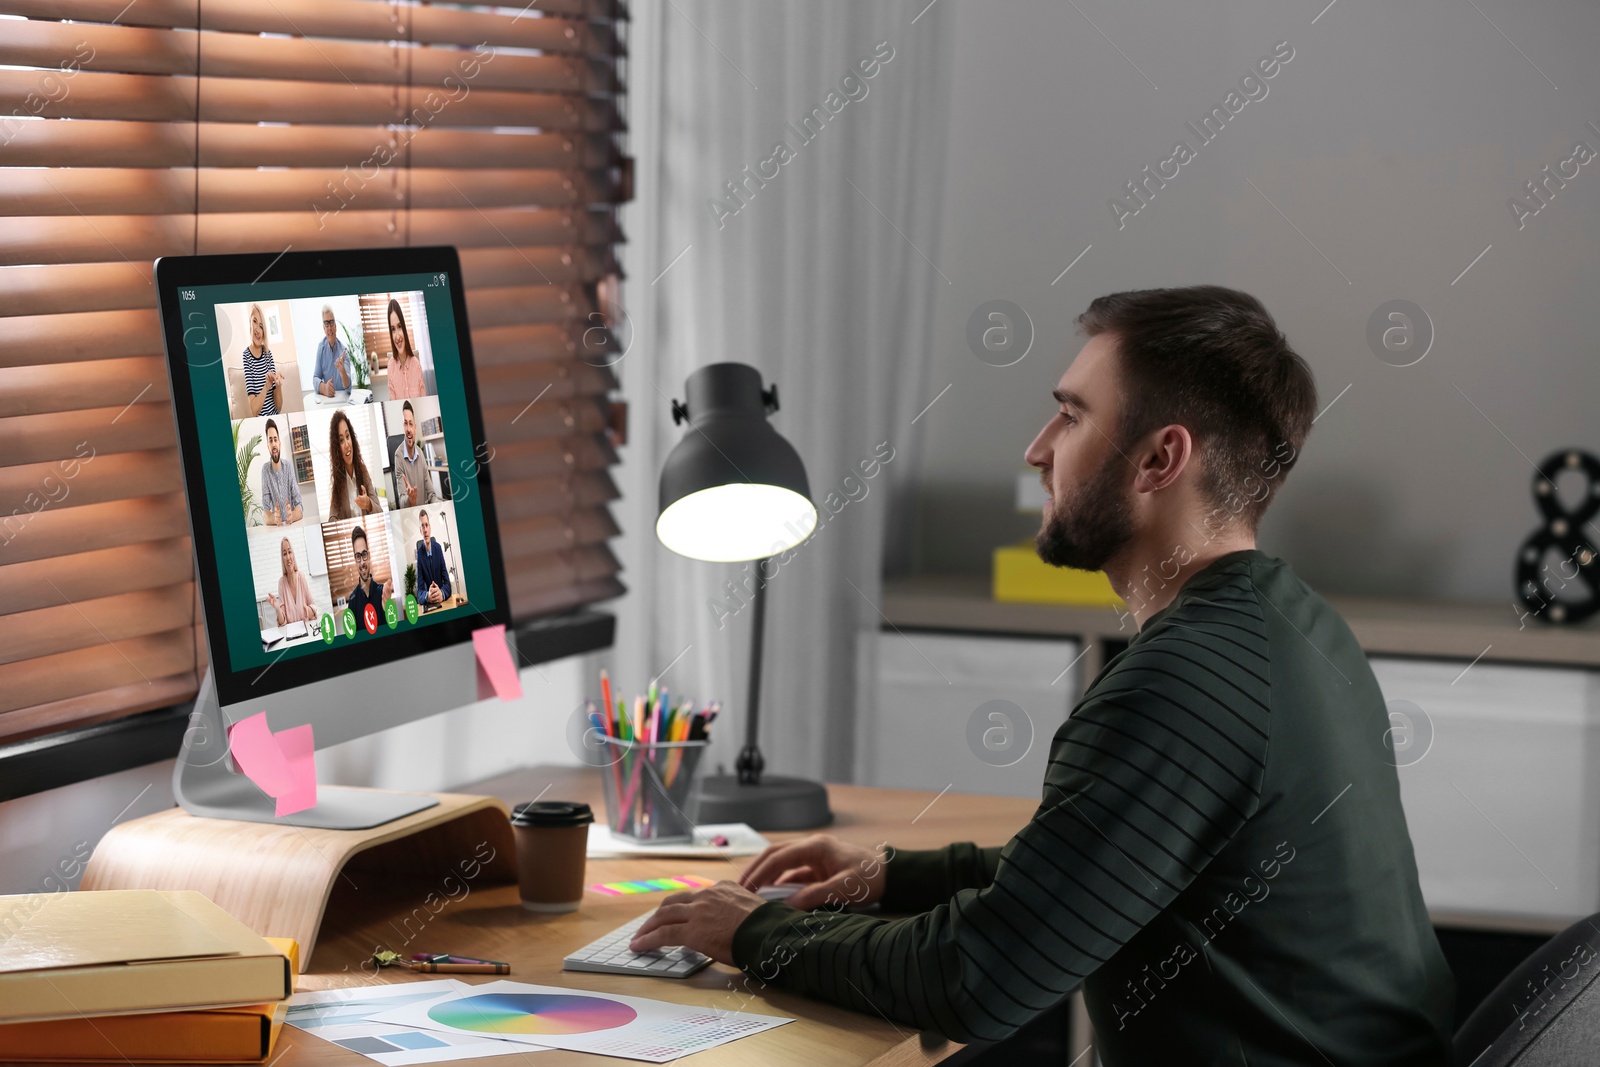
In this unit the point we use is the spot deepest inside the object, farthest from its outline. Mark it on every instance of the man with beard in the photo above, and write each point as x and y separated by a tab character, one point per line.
1219	857
413	482
280	493
368	591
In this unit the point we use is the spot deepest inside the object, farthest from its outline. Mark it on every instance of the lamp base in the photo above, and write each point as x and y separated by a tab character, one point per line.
778	803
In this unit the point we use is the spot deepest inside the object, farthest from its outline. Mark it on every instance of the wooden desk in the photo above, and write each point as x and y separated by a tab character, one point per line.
454	600
489	921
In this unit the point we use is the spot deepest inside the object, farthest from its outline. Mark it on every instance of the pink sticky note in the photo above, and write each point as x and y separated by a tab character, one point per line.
258	755
299	752
494	663
283	765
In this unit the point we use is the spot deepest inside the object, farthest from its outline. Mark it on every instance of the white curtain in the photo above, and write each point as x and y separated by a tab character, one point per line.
822	276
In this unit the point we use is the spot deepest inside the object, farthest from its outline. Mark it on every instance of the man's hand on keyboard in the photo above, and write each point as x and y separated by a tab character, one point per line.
702	919
835	873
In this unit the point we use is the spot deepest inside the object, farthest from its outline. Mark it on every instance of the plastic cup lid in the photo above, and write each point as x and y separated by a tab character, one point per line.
552	813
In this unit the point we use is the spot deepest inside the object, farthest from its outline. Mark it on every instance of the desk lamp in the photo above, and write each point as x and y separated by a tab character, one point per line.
733	489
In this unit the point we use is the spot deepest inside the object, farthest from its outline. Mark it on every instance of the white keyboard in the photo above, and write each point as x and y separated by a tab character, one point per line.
611	955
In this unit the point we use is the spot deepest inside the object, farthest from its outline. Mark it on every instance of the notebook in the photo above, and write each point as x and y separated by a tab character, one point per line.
130	950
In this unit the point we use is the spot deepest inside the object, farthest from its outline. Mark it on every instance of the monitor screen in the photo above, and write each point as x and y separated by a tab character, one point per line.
341	464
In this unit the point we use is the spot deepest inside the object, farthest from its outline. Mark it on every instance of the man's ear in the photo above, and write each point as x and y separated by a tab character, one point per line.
1165	456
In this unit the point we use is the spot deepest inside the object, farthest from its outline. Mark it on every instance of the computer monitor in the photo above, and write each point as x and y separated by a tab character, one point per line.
340	503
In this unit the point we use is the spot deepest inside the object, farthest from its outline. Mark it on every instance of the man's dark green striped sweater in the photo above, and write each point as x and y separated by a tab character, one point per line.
1219	858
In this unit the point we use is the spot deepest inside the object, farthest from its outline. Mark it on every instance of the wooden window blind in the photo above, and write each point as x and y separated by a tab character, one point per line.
130	131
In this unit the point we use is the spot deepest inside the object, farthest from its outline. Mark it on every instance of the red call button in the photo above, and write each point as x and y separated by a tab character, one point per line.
369	617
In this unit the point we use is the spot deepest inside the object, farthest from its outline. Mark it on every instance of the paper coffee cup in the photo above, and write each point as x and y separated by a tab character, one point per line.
552	848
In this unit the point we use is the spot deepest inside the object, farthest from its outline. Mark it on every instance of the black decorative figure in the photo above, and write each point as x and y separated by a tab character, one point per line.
1563	532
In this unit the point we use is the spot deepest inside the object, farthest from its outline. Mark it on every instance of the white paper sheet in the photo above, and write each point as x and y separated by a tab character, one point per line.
557	1017
742	841
343	1016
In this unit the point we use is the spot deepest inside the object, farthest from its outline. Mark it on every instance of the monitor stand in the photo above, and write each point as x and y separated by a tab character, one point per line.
205	783
277	875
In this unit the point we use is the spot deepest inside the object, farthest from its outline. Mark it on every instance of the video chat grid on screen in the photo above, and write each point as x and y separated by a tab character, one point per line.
347	485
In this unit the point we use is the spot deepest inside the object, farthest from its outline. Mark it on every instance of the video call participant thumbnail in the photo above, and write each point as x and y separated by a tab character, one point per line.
280	492
405	366
294	601
332	372
367	590
433	574
352	490
411	476
263	385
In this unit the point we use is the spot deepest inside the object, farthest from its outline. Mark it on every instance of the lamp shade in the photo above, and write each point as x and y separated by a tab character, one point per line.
733	488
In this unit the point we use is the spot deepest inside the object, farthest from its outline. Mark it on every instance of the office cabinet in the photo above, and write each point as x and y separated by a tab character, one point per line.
974	714
1503	803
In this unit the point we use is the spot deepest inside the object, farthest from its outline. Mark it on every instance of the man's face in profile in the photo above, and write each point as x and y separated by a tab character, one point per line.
1088	518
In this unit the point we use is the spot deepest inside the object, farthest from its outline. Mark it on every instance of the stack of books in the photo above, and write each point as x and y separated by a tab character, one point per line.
137	976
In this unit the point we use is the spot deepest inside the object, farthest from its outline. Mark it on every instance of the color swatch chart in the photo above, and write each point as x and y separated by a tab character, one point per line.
532	1014
343	1016
552	1017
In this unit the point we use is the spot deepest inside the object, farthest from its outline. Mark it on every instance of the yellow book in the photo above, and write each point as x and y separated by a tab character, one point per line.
1020	575
68	955
221	1035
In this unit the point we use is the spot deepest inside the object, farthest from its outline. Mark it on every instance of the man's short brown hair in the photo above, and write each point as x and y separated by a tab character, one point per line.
1212	360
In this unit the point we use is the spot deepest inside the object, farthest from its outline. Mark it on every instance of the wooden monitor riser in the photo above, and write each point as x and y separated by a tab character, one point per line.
276	879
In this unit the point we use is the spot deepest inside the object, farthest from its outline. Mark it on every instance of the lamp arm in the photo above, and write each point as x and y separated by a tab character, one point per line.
750	764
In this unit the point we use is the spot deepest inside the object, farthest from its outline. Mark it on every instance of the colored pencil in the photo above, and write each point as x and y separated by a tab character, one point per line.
603	724
630	759
675	734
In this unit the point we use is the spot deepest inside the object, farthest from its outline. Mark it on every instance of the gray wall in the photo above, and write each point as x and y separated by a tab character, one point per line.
1393	140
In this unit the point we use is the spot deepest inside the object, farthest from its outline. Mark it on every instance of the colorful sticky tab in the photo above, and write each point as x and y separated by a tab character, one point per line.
494	664
282	764
651	885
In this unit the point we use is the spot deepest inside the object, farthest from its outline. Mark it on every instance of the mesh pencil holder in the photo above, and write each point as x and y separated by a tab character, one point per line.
649	787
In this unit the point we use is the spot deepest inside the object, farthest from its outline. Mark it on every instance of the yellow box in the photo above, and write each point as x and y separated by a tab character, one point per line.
1020	575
